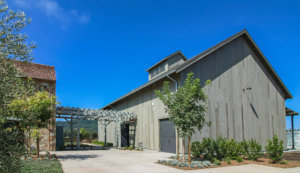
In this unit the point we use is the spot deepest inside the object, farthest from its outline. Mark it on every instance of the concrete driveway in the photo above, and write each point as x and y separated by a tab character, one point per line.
115	161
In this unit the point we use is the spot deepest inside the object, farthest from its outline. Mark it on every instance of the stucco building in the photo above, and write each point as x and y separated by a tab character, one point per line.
44	79
246	97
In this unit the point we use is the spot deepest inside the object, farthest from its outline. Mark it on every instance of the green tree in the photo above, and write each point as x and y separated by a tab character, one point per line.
84	134
11	148
13	46
39	108
186	108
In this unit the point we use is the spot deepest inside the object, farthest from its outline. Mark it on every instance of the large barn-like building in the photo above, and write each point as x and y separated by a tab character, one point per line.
246	98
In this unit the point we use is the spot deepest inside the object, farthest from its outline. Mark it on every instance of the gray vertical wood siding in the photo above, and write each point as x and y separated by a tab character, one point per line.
257	113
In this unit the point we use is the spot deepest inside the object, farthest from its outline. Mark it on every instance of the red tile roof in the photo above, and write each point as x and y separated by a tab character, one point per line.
37	71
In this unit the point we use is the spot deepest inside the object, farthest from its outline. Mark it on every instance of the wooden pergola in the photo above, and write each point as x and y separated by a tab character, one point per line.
290	112
104	117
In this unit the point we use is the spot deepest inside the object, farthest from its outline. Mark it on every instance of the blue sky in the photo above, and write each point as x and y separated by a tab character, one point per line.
101	49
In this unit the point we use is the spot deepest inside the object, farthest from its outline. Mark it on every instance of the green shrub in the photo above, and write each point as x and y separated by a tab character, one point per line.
84	134
108	144
220	148
33	152
244	145
233	149
216	161
228	160
93	135
208	148
254	151
130	148
274	149
11	150
47	154
196	149
238	159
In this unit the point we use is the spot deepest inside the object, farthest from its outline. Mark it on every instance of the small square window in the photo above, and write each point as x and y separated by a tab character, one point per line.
42	88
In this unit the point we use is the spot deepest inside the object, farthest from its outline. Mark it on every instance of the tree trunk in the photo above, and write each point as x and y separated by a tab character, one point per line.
177	144
183	150
189	143
29	141
49	137
37	147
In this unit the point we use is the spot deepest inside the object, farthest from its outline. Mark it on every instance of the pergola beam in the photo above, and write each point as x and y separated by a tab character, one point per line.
104	117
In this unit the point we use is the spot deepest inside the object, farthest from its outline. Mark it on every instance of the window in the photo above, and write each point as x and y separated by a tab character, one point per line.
43	87
151	73
159	69
162	68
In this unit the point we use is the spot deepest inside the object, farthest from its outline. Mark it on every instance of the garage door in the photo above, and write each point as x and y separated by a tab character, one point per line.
167	136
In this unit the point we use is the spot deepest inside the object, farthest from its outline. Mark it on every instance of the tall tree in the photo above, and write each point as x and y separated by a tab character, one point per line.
186	108
13	46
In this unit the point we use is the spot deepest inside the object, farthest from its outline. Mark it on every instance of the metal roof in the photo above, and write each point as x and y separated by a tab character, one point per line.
198	57
289	112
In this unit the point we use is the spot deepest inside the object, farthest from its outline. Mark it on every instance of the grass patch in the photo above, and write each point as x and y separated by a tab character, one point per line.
100	143
69	143
41	166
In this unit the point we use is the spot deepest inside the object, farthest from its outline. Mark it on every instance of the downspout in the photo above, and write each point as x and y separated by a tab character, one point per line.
177	136
176	85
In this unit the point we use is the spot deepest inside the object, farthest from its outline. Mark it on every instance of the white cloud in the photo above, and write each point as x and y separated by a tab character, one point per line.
22	3
53	10
82	18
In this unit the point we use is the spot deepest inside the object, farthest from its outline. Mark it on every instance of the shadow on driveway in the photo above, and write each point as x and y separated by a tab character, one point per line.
78	157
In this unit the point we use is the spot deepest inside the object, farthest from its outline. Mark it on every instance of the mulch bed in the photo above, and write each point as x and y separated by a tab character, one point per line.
293	159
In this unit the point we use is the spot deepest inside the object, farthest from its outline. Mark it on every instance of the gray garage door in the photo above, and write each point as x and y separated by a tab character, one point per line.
167	136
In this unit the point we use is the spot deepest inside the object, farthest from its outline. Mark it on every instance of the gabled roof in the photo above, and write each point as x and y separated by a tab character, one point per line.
264	60
37	71
167	57
198	57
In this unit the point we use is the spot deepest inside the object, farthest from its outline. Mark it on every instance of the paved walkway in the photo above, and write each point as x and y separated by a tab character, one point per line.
115	161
